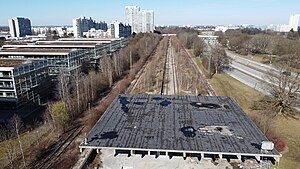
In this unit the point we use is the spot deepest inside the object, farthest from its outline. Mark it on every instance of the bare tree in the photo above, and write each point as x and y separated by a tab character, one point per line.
219	57
283	88
9	146
259	43
77	78
63	90
198	46
16	124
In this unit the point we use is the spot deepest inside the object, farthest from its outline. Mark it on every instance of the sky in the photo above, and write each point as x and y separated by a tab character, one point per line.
167	12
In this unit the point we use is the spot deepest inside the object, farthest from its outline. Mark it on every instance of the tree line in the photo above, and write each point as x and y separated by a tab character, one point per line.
245	41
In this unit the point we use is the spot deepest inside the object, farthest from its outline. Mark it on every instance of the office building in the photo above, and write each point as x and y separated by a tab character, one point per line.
294	21
182	126
24	85
83	24
139	20
19	27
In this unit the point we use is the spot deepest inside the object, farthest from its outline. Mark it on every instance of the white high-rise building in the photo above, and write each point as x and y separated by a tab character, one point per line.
294	21
119	30
19	27
139	20
132	18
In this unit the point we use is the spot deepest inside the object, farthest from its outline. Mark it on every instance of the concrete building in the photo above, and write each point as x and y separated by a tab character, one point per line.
27	70
194	127
24	84
119	30
132	18
293	24
139	20
294	21
93	33
83	24
19	27
46	30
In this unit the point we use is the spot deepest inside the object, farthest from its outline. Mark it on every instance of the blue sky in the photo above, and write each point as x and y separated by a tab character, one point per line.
167	12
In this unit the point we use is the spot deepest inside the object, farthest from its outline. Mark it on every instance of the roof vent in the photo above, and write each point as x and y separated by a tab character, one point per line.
267	146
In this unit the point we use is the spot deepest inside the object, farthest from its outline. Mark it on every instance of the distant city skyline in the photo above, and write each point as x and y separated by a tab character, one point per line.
167	12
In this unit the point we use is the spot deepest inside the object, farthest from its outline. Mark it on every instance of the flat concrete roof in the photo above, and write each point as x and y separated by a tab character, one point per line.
10	62
34	51
78	41
201	124
15	62
48	45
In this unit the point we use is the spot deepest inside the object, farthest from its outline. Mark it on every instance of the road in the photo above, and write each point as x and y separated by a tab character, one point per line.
252	63
243	73
238	71
248	70
246	79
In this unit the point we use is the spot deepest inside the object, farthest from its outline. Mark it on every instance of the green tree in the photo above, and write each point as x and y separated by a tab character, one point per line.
60	116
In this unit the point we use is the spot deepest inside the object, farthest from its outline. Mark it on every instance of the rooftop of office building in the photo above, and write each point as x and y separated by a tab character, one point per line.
184	124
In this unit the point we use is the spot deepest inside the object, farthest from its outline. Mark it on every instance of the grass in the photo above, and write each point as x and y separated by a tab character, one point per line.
27	140
225	85
198	60
289	129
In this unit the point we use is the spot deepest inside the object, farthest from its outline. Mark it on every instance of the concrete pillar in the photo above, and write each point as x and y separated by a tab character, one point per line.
157	154
239	157
184	155
220	156
131	152
148	153
80	150
97	150
258	158
277	159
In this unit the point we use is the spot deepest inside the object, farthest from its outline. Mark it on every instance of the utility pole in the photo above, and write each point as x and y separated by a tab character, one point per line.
146	47
130	60
209	62
193	48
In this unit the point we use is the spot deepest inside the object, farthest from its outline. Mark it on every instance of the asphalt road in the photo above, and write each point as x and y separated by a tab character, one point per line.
246	79
254	64
248	70
242	73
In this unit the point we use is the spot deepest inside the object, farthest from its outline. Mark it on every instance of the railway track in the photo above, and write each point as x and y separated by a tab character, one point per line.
139	75
169	84
53	156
